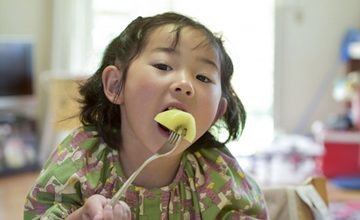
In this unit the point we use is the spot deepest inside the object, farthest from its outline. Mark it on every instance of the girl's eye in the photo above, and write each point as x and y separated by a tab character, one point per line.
203	78
163	67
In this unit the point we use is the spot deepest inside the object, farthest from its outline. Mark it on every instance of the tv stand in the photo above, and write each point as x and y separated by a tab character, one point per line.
18	143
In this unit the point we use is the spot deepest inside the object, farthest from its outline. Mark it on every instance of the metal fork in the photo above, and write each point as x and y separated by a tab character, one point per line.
169	146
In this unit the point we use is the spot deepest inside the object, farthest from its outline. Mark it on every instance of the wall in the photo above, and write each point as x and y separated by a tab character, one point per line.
31	18
308	38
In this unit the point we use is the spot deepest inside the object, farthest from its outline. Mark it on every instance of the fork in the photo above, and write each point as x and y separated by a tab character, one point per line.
169	146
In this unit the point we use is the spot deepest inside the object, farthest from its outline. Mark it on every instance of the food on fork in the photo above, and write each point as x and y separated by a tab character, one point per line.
179	121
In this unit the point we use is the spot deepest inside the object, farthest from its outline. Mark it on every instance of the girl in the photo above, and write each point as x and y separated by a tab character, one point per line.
156	63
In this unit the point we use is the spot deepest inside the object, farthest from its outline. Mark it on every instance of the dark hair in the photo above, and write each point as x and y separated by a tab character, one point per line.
98	111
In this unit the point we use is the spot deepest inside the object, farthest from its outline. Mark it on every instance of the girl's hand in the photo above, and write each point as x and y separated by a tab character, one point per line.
97	208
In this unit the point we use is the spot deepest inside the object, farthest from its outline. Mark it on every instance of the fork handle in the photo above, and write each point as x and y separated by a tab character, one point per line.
128	182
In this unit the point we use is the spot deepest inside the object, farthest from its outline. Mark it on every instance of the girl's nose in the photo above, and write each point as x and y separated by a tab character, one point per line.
183	86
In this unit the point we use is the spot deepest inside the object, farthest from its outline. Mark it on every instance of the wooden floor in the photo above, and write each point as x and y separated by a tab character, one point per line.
13	190
336	194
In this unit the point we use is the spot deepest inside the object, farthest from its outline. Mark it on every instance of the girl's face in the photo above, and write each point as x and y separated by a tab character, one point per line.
186	77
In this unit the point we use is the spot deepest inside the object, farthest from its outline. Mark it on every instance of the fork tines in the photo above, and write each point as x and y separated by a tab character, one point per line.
174	137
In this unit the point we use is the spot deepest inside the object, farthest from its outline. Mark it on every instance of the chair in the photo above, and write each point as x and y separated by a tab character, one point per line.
61	106
305	202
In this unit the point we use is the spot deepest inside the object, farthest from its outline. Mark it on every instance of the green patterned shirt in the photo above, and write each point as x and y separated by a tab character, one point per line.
209	184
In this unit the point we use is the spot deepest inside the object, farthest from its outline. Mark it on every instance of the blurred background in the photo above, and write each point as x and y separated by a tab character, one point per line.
296	71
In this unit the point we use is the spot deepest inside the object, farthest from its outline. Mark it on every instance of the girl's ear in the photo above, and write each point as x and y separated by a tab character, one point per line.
221	110
111	78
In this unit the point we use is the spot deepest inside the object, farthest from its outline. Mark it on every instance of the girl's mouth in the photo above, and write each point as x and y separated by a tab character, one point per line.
164	128
164	131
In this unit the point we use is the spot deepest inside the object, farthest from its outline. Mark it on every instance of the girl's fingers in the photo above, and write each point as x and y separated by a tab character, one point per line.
108	213
93	208
97	208
122	211
118	211
126	208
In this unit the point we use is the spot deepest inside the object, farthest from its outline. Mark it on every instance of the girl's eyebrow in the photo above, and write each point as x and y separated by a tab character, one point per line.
208	61
171	50
165	49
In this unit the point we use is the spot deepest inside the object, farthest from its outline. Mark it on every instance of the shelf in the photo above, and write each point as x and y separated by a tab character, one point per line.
354	50
12	171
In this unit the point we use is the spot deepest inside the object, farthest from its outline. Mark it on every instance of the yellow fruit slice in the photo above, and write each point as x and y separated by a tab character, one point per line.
181	122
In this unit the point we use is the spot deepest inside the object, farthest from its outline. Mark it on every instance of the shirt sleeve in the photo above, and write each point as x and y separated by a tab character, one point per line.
64	182
251	207
248	201
236	194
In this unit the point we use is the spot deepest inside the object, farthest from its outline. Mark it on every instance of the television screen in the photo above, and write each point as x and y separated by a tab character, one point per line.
16	67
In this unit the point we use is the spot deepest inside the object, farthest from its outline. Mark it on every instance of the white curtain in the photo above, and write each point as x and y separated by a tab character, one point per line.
72	38
70	54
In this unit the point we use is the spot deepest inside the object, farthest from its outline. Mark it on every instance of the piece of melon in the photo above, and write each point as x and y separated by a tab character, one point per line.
181	122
